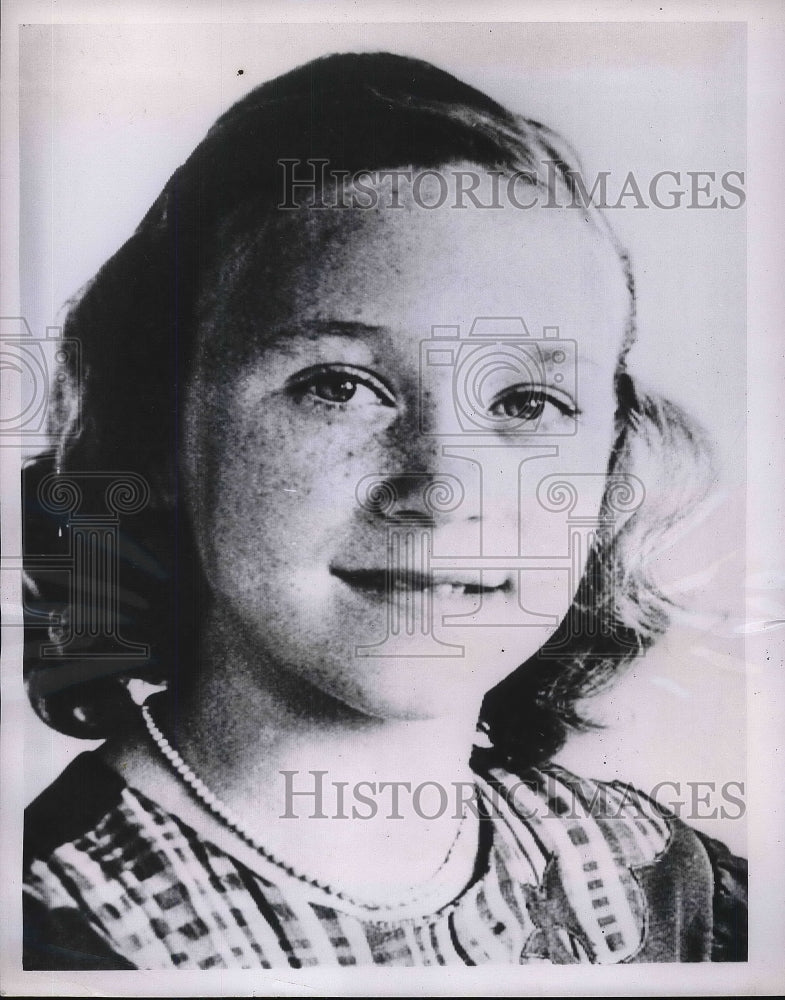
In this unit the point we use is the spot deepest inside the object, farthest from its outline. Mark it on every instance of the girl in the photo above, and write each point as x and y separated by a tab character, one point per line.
352	422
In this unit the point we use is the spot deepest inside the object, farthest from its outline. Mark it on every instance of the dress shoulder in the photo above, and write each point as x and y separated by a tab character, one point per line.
729	943
86	790
686	891
57	933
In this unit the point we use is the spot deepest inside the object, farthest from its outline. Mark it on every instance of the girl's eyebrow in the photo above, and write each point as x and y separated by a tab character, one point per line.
314	329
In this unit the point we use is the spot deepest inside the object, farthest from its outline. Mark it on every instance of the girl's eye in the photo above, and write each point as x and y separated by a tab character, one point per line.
339	387
526	403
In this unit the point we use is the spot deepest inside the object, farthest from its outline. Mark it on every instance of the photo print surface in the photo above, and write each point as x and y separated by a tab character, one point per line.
383	573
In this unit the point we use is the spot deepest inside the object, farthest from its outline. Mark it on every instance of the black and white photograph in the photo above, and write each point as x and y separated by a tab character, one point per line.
384	584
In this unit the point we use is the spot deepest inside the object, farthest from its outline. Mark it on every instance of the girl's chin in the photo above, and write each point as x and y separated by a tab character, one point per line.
412	690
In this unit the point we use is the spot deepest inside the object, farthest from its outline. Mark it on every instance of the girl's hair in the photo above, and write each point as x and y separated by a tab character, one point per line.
117	413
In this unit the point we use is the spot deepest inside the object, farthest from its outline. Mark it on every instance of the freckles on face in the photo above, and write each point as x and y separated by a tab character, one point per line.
281	472
312	380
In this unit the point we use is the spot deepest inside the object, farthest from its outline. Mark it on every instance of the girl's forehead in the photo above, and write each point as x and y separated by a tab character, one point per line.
410	267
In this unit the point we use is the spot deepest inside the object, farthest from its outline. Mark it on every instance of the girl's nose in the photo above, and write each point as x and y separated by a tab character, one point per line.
417	498
426	477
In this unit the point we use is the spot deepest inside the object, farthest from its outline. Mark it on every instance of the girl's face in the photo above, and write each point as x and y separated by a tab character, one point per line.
317	382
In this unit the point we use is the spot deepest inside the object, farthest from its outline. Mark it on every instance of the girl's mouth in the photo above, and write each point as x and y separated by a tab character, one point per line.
386	582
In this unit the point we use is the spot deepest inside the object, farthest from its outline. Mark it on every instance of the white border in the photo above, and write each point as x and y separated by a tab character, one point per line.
766	361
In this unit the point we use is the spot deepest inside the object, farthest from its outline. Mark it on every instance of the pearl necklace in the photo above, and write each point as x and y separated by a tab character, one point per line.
227	817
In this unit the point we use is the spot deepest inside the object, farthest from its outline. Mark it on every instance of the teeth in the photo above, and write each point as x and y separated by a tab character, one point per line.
384	582
440	589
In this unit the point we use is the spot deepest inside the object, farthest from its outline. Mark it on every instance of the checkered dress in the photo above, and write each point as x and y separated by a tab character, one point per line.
571	871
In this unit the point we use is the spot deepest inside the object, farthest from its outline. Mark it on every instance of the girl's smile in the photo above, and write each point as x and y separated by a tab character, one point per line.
387	581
